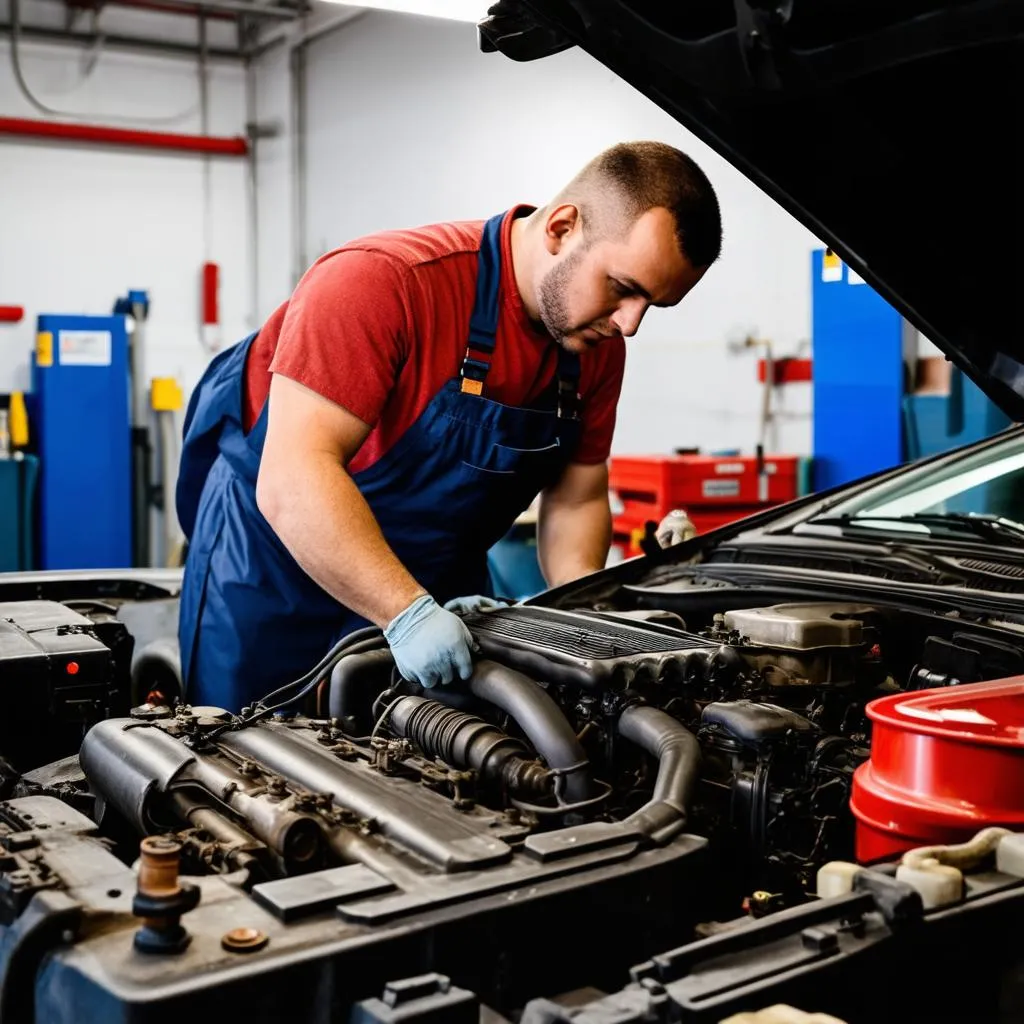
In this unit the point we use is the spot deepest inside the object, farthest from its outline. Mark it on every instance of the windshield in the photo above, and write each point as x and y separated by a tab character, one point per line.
988	483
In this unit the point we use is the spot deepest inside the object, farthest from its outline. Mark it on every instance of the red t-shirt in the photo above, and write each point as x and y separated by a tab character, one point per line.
379	325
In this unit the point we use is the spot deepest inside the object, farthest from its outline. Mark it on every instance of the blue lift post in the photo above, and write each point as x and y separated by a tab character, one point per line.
858	375
80	416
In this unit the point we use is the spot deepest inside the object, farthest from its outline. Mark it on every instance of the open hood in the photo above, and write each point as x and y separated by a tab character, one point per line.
891	128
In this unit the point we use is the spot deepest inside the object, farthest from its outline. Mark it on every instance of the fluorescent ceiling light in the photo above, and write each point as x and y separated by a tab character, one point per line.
455	10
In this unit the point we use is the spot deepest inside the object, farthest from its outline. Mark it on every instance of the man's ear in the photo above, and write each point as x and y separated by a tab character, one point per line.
559	226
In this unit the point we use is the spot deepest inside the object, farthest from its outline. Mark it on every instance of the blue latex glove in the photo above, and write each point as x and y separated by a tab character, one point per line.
476	603
431	645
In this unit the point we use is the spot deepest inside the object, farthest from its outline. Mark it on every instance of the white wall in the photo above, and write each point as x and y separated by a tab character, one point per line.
274	181
81	224
409	123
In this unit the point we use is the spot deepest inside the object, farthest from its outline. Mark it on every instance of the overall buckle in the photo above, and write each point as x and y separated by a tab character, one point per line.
474	373
569	400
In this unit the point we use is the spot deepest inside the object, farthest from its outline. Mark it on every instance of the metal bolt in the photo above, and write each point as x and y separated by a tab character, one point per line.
244	940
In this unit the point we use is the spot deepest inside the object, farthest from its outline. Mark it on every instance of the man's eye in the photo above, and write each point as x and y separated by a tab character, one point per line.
618	287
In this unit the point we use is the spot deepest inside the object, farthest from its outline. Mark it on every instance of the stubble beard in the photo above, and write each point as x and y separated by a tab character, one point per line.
552	302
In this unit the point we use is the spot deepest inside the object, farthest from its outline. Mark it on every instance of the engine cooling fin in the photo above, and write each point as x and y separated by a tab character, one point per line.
588	650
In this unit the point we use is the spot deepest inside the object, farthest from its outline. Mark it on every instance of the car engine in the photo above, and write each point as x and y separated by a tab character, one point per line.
619	772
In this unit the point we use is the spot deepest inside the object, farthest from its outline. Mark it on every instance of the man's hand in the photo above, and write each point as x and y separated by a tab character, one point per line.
431	645
574	531
676	527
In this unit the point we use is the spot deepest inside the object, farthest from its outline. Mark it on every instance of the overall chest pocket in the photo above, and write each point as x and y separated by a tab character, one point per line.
506	459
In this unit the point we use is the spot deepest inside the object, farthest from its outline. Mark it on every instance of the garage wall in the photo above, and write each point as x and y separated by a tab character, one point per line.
82	224
409	123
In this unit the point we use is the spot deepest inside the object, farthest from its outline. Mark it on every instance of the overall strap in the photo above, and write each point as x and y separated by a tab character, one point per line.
483	323
569	403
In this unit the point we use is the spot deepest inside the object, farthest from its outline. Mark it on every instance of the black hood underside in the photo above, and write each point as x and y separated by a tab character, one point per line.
890	128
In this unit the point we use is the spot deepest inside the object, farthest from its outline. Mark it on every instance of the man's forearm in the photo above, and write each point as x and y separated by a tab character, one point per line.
573	538
324	521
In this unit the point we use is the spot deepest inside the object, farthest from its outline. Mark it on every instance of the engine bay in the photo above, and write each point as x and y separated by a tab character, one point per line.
641	773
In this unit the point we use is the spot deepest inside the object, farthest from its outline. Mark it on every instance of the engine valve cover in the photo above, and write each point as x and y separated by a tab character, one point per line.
589	650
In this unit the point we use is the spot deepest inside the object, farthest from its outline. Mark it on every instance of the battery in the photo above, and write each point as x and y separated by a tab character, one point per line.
57	677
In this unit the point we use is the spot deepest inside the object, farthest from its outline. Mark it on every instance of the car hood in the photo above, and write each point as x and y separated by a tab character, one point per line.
890	129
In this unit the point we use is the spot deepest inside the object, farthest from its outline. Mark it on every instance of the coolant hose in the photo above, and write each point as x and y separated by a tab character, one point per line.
356	680
678	754
540	718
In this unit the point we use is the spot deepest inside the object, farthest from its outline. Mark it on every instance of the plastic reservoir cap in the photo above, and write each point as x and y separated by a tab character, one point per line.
1010	855
836	878
944	764
780	1013
939	885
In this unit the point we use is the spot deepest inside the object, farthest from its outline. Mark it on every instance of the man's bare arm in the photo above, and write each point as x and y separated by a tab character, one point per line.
575	527
311	502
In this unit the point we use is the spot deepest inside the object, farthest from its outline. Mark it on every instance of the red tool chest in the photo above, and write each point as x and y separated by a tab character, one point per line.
714	489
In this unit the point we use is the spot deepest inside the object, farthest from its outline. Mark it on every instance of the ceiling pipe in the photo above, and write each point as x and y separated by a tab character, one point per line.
295	35
256	10
129	137
249	7
134	44
88	7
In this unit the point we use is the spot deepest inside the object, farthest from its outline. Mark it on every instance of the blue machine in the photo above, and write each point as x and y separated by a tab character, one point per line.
17	503
80	419
858	376
864	420
936	423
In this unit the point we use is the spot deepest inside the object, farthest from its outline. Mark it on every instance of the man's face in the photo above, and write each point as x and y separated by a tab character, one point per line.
601	289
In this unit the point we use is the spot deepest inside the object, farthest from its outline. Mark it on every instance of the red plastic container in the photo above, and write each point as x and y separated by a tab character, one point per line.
714	490
944	764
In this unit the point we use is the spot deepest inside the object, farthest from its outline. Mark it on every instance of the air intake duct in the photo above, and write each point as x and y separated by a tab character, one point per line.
465	740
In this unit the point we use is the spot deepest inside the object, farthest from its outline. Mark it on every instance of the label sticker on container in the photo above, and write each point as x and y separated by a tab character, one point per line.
84	348
720	488
44	349
736	468
831	267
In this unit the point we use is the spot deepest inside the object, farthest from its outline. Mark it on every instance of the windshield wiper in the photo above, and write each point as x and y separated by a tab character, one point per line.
994	529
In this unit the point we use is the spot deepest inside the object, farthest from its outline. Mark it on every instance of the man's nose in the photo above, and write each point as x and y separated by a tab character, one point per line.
628	316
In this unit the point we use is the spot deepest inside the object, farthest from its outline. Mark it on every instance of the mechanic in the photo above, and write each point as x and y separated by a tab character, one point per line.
353	460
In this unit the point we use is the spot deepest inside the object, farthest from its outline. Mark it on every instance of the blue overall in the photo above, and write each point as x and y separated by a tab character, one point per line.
450	487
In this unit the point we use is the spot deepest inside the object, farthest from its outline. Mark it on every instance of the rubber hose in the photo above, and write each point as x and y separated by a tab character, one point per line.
540	718
352	681
678	754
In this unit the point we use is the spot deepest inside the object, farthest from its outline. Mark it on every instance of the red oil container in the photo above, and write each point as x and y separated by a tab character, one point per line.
944	764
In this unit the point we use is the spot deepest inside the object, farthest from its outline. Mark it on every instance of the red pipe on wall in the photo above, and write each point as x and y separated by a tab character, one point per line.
211	274
212	144
11	314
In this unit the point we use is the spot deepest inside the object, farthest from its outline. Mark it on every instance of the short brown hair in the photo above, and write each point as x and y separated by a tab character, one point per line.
645	175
